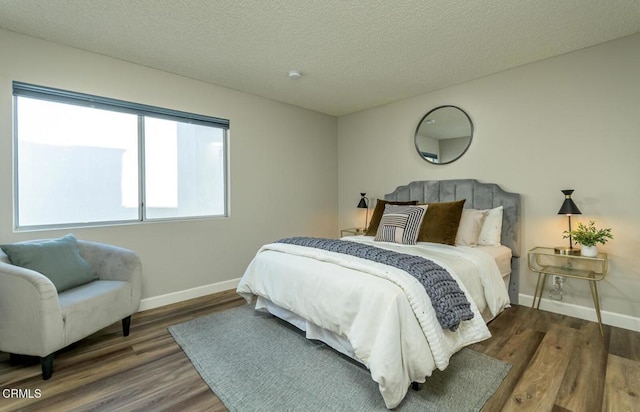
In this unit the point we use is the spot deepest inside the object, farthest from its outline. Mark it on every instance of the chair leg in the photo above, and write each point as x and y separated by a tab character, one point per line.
47	366
126	324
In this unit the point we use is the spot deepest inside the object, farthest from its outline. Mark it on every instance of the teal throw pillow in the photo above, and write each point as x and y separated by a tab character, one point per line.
57	259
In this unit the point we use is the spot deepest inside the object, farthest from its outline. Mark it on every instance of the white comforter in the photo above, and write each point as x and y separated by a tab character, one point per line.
383	312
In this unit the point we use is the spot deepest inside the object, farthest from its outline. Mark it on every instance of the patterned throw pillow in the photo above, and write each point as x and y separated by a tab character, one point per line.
400	224
379	211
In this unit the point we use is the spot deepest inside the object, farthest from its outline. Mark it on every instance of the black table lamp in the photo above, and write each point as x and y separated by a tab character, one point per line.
364	204
568	208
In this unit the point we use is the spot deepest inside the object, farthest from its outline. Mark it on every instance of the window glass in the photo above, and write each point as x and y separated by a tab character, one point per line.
75	164
184	169
83	160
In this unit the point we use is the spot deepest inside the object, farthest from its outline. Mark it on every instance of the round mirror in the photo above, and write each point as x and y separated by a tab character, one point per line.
444	135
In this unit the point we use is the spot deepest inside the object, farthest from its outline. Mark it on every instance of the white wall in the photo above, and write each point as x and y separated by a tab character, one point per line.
283	165
533	127
570	122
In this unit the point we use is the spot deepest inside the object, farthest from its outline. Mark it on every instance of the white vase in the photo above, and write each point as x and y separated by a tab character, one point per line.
589	251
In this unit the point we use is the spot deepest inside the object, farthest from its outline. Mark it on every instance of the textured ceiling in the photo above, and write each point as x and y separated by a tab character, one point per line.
353	54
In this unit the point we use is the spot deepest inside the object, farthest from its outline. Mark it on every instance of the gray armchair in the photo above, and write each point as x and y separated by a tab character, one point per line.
35	320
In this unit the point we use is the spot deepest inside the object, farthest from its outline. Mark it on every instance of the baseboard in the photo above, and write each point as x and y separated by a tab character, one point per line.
175	297
583	312
563	308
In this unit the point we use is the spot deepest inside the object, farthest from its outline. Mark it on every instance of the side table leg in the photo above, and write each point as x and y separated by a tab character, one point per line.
544	282
535	294
596	303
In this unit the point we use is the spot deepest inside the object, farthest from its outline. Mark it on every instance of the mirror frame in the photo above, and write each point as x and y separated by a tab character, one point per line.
415	136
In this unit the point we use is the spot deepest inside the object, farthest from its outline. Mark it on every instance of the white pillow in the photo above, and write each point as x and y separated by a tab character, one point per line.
400	224
470	225
491	228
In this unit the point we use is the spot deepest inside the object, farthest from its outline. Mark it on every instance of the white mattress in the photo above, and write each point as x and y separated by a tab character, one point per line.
502	256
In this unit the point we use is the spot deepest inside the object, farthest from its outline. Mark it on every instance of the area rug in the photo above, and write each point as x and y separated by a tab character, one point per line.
255	362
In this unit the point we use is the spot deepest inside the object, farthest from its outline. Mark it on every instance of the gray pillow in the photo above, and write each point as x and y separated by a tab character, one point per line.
57	259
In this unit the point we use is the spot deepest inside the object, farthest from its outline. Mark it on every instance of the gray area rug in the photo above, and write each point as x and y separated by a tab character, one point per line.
256	362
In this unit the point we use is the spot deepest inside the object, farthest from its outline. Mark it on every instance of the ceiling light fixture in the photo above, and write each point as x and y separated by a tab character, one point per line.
294	74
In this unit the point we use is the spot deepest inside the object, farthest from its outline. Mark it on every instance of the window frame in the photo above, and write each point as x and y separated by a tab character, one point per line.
21	89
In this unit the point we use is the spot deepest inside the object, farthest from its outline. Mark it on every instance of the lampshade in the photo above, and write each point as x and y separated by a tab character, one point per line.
363	202
568	206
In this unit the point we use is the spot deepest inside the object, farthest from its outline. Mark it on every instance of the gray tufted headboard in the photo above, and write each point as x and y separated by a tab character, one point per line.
479	196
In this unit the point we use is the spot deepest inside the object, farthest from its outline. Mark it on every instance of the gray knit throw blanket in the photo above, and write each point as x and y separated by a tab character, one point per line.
448	300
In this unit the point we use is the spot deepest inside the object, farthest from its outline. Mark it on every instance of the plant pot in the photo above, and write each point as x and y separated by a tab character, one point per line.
589	251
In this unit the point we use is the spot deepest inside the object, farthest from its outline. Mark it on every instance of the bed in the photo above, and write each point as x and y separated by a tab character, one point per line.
378	314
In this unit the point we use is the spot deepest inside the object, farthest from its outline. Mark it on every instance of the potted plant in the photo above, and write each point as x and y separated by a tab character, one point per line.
588	237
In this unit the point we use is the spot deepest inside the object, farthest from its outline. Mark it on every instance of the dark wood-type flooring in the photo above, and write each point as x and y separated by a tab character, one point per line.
559	364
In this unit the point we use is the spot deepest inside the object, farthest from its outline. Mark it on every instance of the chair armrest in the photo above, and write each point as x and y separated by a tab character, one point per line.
30	315
110	262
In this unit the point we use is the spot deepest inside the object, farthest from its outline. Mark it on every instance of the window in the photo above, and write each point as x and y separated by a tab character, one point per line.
87	160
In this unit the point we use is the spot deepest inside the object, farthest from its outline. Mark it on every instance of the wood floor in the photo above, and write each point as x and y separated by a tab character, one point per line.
559	364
